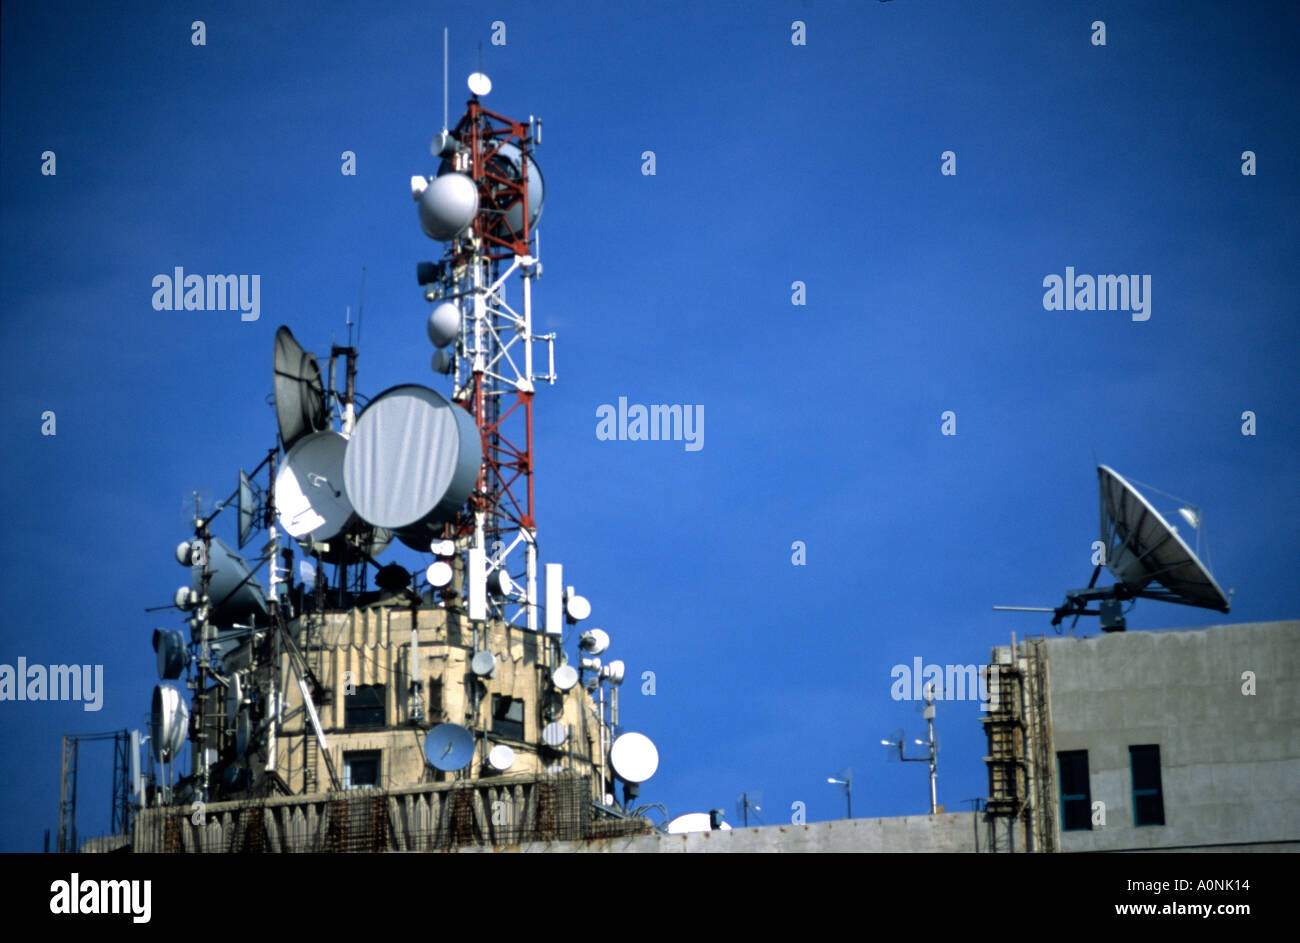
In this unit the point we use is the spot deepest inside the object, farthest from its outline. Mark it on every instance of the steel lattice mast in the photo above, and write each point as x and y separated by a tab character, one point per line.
493	367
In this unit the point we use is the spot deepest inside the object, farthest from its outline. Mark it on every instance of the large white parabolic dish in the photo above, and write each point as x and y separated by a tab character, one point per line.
1141	548
310	500
411	463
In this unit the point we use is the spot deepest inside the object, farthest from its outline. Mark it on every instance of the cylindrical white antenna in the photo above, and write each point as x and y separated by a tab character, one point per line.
444	78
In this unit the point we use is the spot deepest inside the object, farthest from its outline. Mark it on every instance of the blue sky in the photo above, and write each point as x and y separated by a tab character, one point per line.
775	163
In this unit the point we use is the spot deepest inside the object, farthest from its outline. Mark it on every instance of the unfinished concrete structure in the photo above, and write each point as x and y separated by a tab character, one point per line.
1183	740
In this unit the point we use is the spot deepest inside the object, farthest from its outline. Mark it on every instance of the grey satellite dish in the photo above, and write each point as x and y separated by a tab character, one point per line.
309	496
564	677
483	664
448	206
444	144
634	757
412	461
449	747
443	324
243	732
439	574
185	598
554	734
499	583
479	84
1143	549
394	578
234	593
173	656
299	392
505	163
501	757
246	508
694	822
234	697
169	720
442	363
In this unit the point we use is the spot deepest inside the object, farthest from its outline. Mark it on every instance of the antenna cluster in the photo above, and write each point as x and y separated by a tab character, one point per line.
448	476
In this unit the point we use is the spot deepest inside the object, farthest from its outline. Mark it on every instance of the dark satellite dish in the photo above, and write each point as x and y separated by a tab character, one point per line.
173	656
1142	549
299	392
411	463
393	578
449	747
235	594
1145	553
246	506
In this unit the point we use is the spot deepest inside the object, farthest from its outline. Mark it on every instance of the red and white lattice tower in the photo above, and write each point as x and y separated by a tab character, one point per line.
492	361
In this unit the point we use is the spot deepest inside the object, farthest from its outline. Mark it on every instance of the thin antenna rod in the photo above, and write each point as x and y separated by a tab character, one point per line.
361	307
444	78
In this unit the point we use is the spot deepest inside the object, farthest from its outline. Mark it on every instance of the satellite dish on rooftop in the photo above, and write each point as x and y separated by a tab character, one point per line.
449	747
554	734
412	461
634	757
448	205
1145	553
235	594
501	757
1142	549
299	392
309	496
694	822
169	720
564	677
173	656
246	506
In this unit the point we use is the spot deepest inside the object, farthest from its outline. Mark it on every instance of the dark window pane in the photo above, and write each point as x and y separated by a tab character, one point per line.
1148	795
1076	794
508	717
360	769
364	707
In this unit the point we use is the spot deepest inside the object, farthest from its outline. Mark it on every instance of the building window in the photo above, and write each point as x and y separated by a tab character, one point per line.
361	769
364	707
508	717
1148	798
1076	797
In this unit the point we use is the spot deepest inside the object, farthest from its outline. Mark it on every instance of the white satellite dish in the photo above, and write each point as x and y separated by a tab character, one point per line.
169	721
310	500
634	757
554	734
442	548
439	573
443	324
447	206
479	84
576	607
594	641
483	664
564	677
694	822
1142	549
501	757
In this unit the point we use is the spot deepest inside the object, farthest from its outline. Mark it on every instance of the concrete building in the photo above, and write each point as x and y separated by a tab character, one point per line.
1184	740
